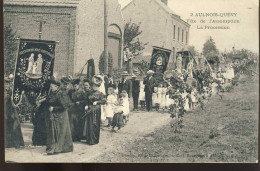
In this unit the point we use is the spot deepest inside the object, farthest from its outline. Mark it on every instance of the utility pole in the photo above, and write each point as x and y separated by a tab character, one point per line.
105	36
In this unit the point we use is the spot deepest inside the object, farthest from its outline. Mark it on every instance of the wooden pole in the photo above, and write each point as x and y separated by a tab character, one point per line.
208	64
105	36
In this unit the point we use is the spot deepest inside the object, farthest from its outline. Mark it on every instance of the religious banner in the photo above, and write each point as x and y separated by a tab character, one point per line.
90	69
34	67
160	59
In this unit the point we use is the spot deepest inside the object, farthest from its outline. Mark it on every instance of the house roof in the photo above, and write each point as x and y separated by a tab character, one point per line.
159	2
164	7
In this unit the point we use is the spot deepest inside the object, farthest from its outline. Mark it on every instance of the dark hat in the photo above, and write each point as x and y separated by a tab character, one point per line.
112	85
65	80
54	81
76	81
86	80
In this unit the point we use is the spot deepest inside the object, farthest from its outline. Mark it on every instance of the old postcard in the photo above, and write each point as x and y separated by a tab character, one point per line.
131	81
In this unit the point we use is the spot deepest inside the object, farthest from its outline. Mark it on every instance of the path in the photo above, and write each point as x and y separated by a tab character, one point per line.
140	123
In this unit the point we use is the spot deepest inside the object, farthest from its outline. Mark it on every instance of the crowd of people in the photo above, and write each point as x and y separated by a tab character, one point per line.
76	108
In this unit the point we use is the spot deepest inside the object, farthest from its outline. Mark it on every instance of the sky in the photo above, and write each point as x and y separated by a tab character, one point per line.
244	34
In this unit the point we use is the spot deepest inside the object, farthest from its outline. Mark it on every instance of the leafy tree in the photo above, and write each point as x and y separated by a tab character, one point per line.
10	50
192	50
131	32
143	67
210	50
242	54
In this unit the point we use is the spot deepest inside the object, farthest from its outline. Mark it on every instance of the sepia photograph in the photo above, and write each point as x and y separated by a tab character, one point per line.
131	81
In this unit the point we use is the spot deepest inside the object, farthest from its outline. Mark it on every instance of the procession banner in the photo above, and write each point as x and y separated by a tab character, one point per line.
34	67
160	59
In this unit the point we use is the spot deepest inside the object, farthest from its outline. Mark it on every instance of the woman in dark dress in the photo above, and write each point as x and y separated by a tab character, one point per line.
39	131
58	133
77	110
91	130
13	132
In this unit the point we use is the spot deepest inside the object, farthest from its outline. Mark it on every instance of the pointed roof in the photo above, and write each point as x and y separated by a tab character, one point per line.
159	2
164	7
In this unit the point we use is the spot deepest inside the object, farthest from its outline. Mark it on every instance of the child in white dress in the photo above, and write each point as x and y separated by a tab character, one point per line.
118	115
111	102
164	96
186	100
214	89
126	106
194	99
155	98
142	94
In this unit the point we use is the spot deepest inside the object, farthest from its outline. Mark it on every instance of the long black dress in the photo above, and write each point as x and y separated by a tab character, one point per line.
13	132
58	133
91	130
76	111
39	131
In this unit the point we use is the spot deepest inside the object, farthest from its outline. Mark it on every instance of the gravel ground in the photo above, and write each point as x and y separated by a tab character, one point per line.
140	124
225	131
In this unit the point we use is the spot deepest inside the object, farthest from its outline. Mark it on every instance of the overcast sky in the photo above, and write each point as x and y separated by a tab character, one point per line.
245	34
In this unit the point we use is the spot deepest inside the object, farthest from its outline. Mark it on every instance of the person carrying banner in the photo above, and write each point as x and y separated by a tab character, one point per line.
74	110
58	131
149	83
38	120
92	117
80	97
13	132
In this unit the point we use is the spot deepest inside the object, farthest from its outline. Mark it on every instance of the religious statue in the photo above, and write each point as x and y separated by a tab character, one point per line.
39	65
179	63
159	64
190	68
30	63
128	56
34	68
159	61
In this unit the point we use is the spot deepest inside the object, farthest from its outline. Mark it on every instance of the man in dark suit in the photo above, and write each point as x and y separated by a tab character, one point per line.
124	84
135	91
149	83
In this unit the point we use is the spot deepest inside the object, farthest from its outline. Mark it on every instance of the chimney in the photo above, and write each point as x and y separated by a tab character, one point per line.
165	2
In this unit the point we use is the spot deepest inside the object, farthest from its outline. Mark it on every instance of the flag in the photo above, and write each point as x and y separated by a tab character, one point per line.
34	67
160	59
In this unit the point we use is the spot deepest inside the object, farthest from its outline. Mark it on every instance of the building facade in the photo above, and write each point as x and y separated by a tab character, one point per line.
78	26
161	26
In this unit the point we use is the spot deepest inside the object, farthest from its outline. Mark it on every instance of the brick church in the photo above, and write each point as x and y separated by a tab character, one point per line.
78	26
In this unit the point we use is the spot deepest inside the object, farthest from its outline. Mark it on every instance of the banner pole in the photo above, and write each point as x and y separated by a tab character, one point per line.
208	64
14	74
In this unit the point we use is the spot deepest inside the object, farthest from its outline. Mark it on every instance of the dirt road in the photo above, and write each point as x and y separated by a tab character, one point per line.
140	124
225	131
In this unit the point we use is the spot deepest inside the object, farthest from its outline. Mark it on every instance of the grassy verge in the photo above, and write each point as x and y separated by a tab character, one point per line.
225	131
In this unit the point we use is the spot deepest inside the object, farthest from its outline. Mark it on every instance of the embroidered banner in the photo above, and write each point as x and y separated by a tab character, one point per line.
34	67
160	59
